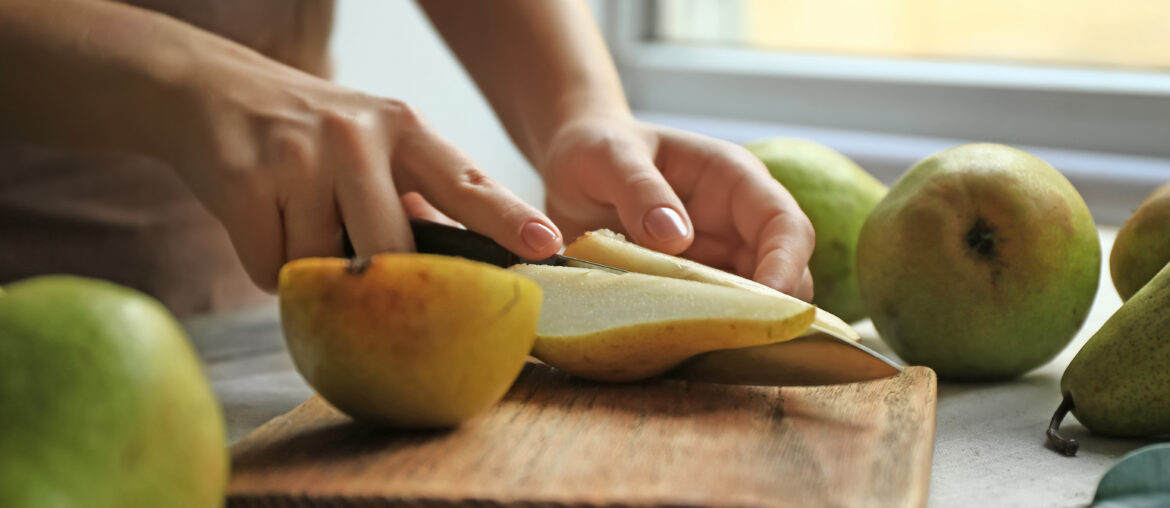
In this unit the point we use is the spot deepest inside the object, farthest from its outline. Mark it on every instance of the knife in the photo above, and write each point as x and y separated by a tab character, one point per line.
813	359
435	238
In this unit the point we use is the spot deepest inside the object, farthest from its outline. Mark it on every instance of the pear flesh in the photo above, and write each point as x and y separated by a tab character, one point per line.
612	249
609	327
1118	383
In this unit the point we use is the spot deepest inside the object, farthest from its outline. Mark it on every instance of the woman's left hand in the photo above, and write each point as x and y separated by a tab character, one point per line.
677	192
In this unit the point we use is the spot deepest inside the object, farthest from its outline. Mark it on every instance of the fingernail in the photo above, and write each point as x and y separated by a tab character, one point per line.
537	236
664	224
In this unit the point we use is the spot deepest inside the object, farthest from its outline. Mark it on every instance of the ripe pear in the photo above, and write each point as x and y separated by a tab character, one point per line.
609	327
612	249
103	402
1142	246
1118	384
837	195
408	340
981	263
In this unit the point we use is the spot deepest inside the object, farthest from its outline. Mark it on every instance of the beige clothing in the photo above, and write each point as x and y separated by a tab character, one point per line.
128	218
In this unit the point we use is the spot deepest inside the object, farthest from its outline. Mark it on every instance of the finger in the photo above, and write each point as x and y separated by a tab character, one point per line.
451	181
767	217
356	151
418	206
804	290
649	209
784	249
714	251
255	229
312	226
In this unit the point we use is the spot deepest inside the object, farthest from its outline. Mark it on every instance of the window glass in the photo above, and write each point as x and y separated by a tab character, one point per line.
1133	34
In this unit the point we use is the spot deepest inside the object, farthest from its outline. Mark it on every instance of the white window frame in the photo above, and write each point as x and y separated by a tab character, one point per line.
1120	118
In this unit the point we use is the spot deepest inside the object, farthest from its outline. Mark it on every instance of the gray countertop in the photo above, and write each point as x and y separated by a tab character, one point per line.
989	445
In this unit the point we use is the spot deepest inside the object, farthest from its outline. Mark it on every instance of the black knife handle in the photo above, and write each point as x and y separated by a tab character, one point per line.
434	238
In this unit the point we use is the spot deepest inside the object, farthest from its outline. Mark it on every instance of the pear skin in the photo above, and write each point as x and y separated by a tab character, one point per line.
408	340
103	401
1118	384
1142	246
608	327
981	263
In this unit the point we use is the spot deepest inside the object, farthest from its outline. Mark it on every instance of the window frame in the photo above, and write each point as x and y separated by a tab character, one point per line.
1095	110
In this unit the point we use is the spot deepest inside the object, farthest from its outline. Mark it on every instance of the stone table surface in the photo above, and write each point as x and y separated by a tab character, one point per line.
989	444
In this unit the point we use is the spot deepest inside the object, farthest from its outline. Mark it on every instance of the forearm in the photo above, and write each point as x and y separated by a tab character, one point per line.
97	75
540	63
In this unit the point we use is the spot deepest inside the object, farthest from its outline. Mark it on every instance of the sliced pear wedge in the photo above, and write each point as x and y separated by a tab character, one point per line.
608	327
612	249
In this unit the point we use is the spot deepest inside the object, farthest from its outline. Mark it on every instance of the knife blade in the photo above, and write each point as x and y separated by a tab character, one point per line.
814	359
435	238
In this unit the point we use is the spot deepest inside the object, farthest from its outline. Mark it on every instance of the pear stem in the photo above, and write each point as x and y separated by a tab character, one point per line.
358	265
1067	446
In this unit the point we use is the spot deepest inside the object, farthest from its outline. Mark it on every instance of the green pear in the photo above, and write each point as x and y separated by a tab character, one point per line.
981	263
103	402
1142	246
1118	384
836	195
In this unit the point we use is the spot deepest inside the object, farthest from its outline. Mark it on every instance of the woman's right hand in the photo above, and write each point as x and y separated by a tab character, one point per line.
284	159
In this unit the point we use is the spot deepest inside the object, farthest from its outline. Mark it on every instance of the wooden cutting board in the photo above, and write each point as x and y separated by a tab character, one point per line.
559	441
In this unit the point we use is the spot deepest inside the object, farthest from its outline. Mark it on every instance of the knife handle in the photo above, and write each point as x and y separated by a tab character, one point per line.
434	238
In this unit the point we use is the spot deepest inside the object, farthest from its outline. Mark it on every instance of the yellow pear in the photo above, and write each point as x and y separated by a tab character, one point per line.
408	340
608	327
612	249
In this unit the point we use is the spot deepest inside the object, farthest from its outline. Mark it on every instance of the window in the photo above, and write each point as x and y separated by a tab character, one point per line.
1085	85
1124	34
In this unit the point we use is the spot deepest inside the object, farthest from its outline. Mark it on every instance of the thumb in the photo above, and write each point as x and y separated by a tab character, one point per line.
648	208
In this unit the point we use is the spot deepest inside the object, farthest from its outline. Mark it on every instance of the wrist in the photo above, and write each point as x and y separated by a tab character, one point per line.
570	112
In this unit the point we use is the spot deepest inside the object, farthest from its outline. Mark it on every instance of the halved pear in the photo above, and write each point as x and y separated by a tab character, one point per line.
608	248
609	327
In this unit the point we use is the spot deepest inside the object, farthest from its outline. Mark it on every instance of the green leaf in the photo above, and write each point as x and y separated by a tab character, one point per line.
1140	479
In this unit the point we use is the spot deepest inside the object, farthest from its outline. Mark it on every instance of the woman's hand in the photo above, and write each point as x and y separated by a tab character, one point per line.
678	192
284	159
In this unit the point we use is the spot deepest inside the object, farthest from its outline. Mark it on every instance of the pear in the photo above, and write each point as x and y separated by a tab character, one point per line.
837	195
408	340
103	401
609	327
608	248
981	263
1118	384
1142	246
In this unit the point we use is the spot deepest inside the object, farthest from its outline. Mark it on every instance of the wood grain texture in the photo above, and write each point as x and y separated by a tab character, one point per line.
559	441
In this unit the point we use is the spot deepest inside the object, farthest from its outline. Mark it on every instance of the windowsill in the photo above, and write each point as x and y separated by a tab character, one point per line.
1112	184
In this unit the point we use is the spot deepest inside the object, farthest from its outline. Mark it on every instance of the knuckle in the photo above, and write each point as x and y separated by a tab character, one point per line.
474	178
401	116
473	184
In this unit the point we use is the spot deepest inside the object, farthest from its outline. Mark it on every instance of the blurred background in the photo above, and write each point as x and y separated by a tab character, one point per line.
1084	85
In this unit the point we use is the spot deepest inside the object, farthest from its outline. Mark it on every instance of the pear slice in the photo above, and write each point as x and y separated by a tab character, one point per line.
609	327
612	249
